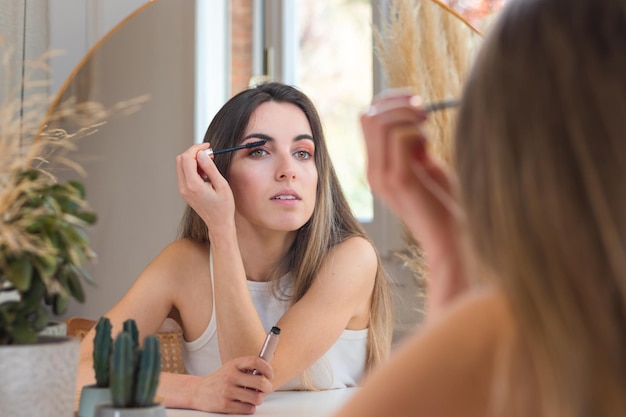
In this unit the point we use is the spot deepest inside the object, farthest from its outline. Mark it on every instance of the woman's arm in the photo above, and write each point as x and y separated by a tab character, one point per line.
338	299
239	328
231	389
339	296
177	278
148	302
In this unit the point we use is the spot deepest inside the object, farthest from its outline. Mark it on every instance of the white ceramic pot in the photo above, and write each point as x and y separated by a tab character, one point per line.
90	397
108	410
54	328
39	379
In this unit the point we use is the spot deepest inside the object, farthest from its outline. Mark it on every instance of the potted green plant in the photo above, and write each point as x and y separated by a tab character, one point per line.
43	246
42	249
134	376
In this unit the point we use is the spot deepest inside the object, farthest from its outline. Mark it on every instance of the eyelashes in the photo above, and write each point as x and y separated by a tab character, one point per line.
261	152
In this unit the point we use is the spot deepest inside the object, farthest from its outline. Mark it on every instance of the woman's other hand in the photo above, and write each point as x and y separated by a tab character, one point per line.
416	186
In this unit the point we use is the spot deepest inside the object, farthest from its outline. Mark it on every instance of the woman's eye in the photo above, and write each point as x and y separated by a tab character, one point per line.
257	153
302	154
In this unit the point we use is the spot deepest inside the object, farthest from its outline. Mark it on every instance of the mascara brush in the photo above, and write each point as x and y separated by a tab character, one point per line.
440	105
427	108
210	152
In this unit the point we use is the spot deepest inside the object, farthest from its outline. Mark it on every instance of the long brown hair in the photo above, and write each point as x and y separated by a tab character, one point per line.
541	159
332	221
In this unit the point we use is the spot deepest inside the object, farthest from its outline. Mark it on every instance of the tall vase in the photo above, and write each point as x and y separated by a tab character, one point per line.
39	379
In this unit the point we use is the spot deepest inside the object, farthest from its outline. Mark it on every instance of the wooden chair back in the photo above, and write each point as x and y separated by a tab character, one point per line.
170	336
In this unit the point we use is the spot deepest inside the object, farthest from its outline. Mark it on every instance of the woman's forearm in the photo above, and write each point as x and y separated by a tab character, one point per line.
240	331
177	390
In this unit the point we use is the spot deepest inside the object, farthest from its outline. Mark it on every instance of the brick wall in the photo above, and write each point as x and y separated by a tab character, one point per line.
241	44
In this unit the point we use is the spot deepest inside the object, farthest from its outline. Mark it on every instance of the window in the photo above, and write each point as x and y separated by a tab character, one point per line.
212	69
334	67
322	47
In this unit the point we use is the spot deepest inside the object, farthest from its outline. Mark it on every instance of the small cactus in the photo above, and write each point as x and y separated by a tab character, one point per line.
102	347
122	371
148	372
134	372
131	327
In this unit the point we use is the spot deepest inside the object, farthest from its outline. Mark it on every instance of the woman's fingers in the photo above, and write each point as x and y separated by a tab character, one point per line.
392	133
250	363
187	168
234	389
208	167
202	186
395	98
248	387
401	172
194	169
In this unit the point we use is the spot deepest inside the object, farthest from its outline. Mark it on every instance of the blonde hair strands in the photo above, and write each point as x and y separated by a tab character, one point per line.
547	206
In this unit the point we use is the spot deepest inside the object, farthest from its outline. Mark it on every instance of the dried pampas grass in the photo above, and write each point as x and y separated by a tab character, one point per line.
27	141
428	47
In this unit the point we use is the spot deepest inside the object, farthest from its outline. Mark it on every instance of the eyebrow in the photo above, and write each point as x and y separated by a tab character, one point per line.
263	136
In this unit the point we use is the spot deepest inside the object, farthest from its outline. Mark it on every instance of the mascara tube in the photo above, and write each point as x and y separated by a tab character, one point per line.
269	346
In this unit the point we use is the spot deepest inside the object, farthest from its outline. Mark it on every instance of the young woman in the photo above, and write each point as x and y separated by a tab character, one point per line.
268	240
527	250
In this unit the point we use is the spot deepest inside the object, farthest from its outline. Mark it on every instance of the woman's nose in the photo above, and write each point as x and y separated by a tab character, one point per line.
285	169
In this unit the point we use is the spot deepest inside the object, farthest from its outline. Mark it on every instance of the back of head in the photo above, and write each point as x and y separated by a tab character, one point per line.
541	159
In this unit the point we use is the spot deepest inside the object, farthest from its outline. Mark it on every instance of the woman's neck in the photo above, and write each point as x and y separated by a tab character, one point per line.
261	252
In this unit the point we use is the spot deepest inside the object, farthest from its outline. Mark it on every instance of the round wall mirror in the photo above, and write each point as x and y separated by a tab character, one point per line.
130	161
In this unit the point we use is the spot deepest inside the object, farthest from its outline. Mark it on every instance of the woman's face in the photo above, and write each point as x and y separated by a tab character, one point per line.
275	185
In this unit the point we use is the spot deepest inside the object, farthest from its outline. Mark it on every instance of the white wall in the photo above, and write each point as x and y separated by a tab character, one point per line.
76	26
131	180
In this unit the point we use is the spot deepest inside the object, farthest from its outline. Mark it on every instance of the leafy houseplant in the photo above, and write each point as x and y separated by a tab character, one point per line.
43	246
42	249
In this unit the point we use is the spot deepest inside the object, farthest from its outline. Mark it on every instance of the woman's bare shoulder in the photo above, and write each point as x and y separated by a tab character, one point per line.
350	262
356	249
183	252
482	318
477	304
182	270
187	248
446	367
180	262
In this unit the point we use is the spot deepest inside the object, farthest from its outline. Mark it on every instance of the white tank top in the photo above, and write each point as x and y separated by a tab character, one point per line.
341	366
